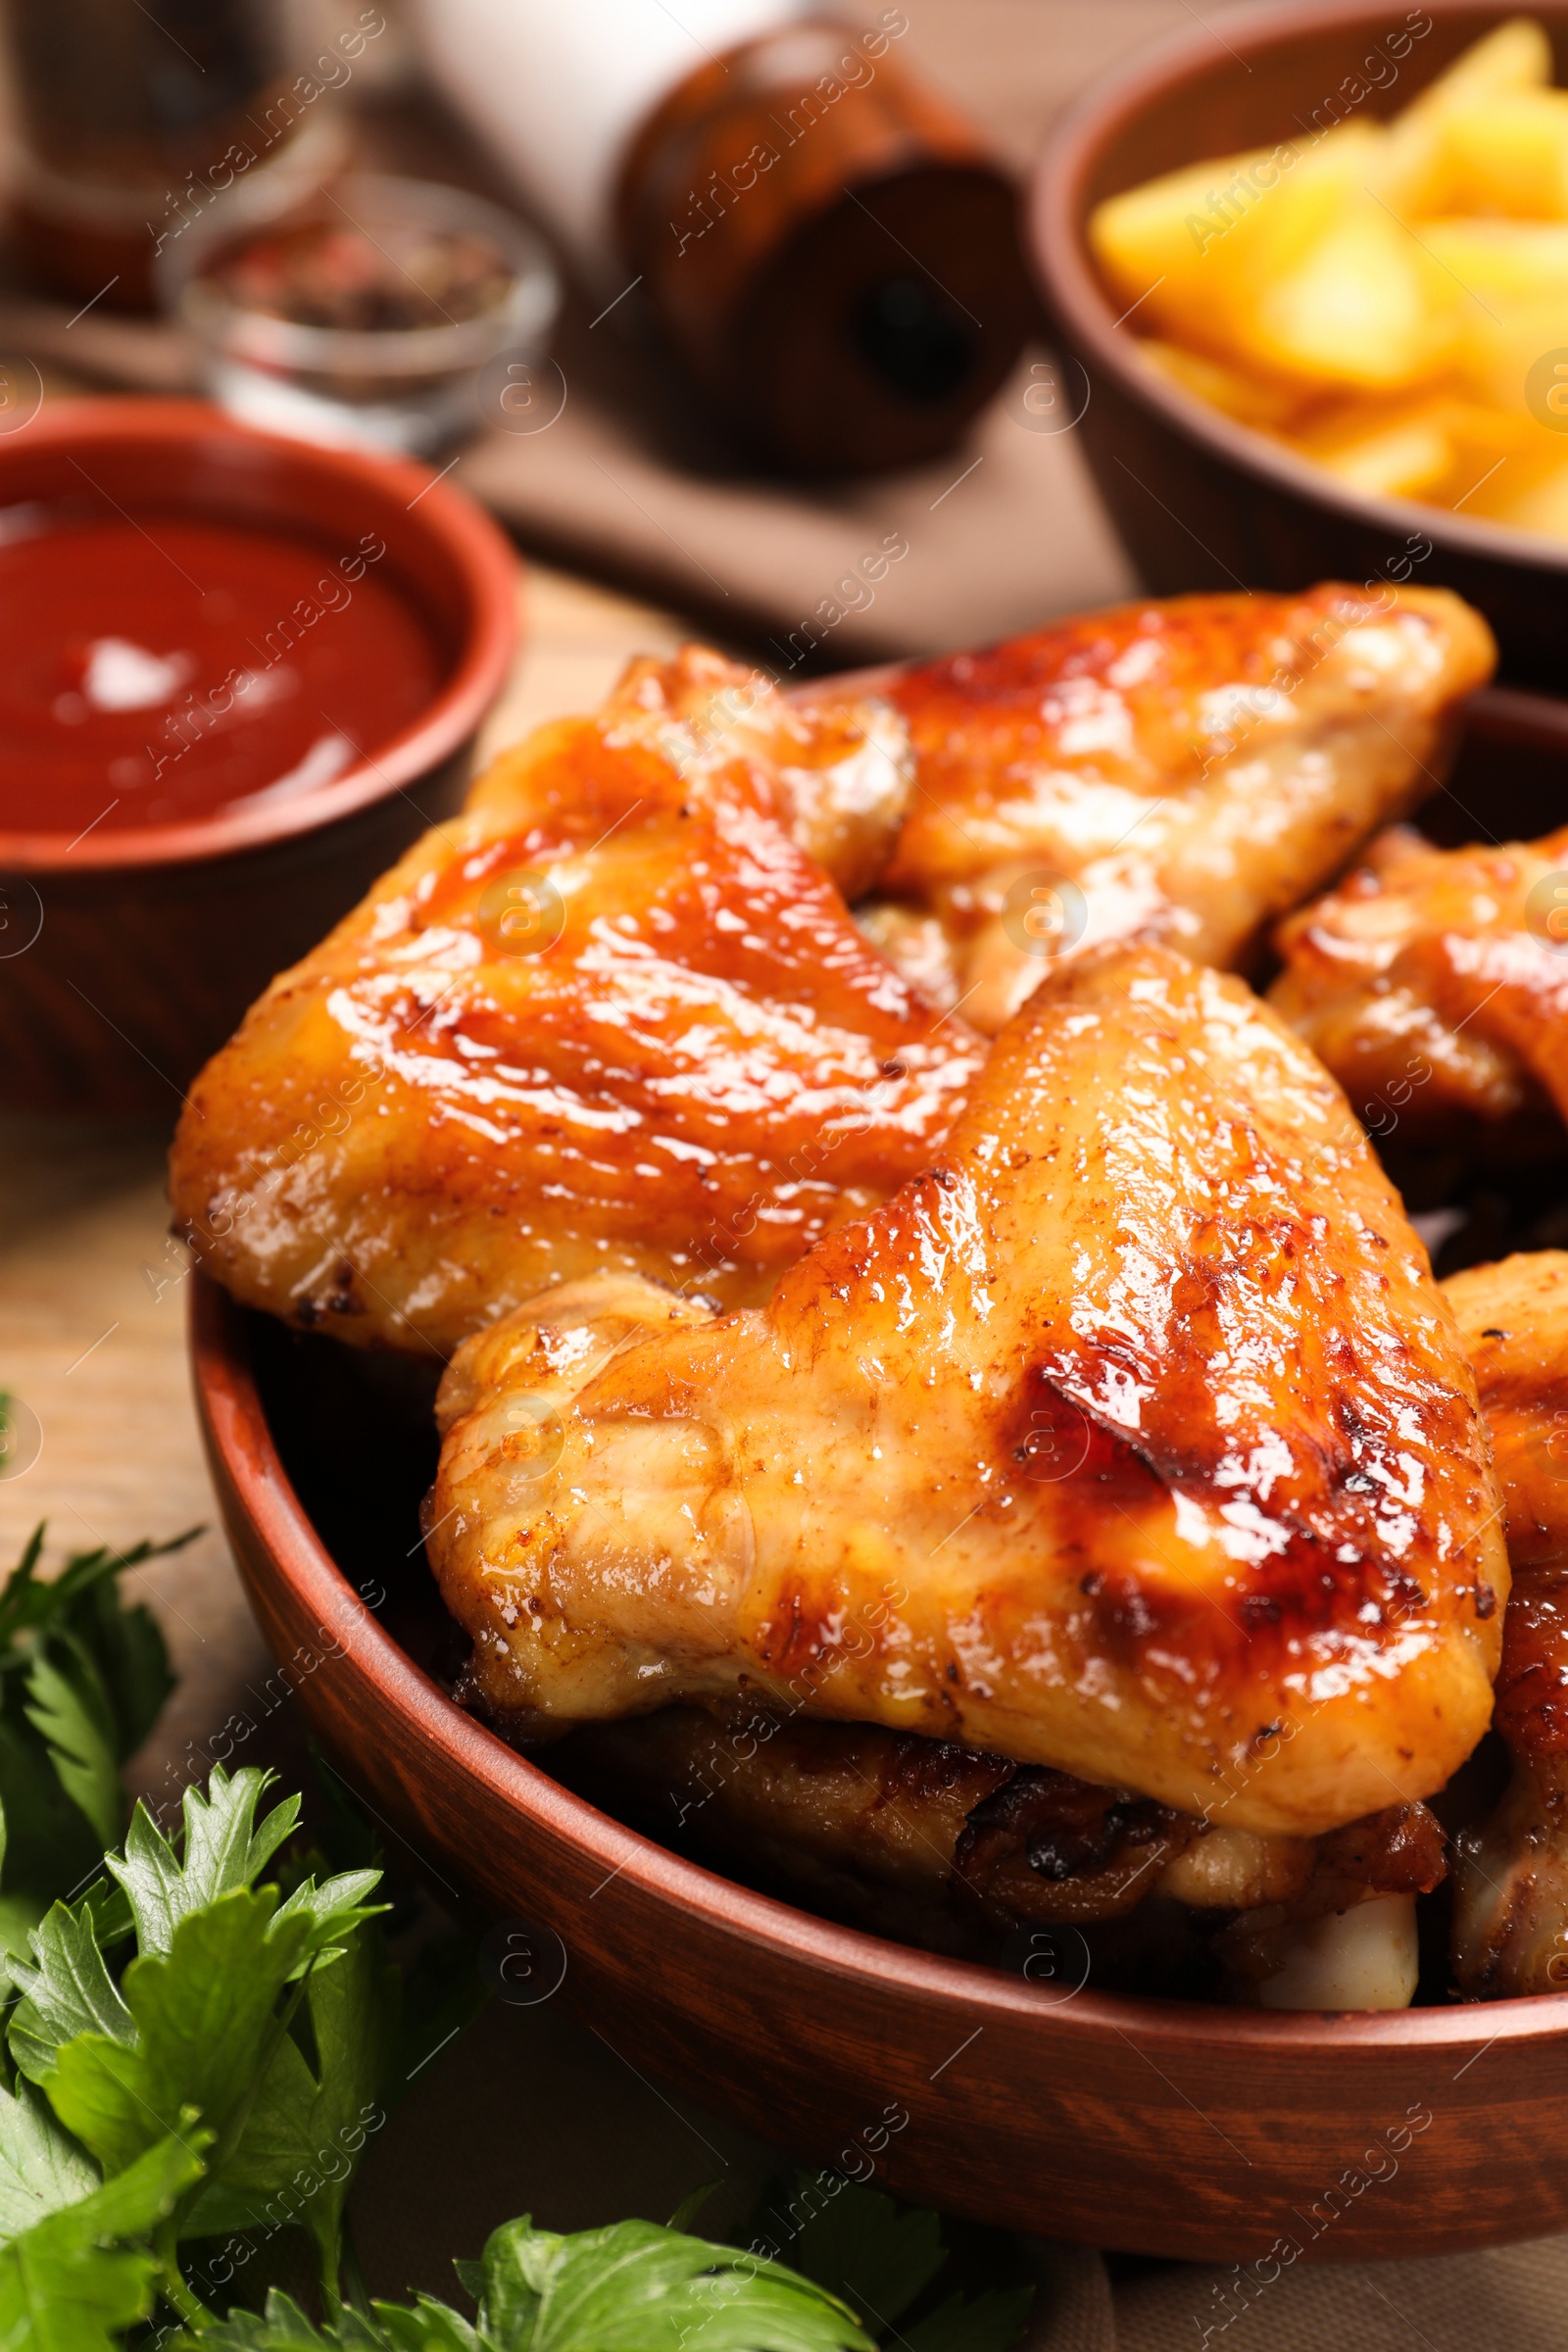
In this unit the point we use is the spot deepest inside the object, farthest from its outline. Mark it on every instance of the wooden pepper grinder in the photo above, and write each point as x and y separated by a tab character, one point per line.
828	246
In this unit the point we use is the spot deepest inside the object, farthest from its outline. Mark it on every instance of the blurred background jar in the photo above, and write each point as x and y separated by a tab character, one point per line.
364	317
128	125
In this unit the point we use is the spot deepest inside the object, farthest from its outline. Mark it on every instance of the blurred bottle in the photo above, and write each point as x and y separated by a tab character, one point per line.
829	246
132	123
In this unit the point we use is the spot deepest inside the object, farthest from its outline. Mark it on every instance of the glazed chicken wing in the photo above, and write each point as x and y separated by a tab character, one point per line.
959	1851
1131	1438
1184	770
1434	983
614	1017
839	770
1511	1879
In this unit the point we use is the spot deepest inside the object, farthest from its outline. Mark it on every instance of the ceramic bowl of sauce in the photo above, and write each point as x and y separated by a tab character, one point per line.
239	675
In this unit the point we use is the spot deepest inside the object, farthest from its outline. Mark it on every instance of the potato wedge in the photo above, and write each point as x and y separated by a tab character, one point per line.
1509	155
1503	345
1406	451
1516	57
1530	499
1365	306
1248	396
1505	263
1171	243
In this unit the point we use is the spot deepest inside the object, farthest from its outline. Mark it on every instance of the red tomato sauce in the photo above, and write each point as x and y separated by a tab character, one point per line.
156	668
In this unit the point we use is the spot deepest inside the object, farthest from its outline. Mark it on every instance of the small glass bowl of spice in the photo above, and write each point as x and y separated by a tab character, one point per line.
364	318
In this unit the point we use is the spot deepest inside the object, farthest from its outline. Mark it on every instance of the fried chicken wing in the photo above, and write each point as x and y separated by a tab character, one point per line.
1434	983
1185	770
1132	1439
614	1017
940	1846
839	770
1511	1877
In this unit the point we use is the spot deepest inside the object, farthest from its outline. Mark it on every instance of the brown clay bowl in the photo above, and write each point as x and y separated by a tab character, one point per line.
153	941
1149	2126
1201	501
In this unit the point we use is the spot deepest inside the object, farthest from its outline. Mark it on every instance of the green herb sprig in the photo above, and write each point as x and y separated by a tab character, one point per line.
83	1678
194	2018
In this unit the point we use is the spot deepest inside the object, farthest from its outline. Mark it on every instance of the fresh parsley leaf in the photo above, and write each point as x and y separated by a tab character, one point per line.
41	2169
69	1710
200	2020
441	1988
22	1587
332	1911
126	1647
990	2323
883	2259
31	1605
638	2288
225	1850
296	2158
112	1922
67	1990
62	2287
231	2077
204	2019
83	1679
51	1846
282	2328
857	2242
19	1914
430	2326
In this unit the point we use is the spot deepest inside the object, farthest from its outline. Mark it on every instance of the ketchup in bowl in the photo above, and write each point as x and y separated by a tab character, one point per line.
162	666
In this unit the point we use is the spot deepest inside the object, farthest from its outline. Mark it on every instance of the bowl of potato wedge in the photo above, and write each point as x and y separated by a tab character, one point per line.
1317	275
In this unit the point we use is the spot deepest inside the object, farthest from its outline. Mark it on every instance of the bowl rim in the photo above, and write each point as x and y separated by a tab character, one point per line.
235	1420
1075	297
465	534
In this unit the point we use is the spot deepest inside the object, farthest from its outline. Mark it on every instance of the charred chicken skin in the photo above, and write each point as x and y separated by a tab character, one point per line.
1511	1876
1434	983
614	1017
1185	770
1131	1439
